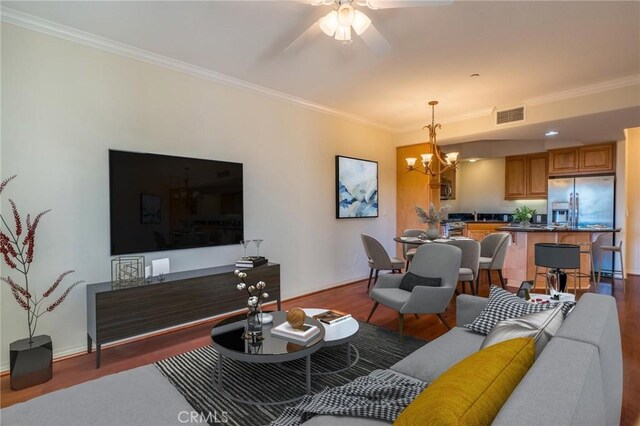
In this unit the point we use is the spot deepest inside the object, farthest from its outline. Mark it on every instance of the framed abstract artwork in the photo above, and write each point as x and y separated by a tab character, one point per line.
356	188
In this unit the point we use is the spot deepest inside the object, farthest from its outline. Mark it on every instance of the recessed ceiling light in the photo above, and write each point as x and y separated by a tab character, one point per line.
551	133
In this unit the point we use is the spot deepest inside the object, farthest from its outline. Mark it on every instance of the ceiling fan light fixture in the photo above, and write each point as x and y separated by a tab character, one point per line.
343	33
360	22
329	23
346	15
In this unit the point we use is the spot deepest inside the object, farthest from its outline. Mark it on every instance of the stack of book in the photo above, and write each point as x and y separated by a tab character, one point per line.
332	317
303	335
251	261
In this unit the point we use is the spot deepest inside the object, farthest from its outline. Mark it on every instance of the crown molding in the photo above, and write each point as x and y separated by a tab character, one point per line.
51	28
591	89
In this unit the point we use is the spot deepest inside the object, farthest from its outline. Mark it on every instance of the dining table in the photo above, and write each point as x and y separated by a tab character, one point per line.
420	241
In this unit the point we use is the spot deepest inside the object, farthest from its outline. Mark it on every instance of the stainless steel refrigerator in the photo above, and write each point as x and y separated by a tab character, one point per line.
582	202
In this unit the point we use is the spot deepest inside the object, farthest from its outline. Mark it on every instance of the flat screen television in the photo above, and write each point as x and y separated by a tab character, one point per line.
161	202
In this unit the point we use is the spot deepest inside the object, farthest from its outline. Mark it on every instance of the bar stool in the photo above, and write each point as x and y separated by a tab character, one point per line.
614	249
587	248
557	257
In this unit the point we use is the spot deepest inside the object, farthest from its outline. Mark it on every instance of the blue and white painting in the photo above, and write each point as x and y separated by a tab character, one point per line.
357	188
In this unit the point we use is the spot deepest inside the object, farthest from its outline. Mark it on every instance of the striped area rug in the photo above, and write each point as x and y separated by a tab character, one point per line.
191	374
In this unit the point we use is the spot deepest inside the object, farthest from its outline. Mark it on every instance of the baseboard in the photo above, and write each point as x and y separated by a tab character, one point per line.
82	350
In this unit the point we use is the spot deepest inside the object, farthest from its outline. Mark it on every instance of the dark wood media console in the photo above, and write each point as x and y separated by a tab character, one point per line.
115	313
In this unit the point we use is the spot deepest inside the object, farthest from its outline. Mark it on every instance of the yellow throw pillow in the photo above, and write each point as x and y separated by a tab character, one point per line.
473	391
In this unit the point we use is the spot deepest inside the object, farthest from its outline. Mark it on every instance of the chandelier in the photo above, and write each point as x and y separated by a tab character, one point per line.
338	23
427	160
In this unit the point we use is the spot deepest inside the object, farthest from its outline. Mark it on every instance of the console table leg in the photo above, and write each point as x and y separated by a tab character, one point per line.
308	374
98	351
279	308
89	344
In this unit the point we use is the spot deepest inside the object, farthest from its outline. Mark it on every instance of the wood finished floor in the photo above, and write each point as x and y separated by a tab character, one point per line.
351	298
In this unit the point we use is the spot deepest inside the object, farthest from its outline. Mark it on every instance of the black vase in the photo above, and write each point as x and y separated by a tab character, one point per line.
31	363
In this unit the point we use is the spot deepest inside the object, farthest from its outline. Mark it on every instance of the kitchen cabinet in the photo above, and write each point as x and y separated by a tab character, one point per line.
526	177
478	230
563	161
590	159
597	159
515	179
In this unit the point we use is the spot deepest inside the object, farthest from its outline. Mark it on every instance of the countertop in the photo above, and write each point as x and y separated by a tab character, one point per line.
545	229
485	221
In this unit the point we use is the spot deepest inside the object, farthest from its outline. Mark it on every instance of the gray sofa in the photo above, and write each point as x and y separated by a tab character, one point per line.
576	380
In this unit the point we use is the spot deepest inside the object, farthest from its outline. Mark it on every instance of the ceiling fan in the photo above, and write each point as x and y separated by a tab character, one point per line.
346	17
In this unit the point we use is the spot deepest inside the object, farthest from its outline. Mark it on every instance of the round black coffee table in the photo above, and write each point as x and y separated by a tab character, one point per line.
227	339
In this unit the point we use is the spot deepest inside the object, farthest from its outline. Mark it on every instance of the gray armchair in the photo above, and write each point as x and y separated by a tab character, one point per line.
408	249
493	250
379	259
433	261
469	264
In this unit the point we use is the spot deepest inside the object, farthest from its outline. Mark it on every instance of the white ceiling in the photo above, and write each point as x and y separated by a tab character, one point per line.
521	49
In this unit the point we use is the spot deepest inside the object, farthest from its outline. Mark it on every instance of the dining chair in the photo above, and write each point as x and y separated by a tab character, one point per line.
439	261
379	259
408	249
469	264
493	250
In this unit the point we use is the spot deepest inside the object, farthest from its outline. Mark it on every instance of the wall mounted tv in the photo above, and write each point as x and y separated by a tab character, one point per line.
160	202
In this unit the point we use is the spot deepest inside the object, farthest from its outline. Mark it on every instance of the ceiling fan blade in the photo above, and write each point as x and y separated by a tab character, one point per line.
396	4
310	33
375	41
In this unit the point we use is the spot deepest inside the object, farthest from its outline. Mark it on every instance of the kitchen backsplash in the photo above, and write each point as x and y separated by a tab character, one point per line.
501	217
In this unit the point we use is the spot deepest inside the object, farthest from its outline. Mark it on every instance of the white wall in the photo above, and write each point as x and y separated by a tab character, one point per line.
480	187
631	225
64	105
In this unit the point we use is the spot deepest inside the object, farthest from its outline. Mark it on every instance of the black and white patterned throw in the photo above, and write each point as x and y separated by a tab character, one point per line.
503	305
381	395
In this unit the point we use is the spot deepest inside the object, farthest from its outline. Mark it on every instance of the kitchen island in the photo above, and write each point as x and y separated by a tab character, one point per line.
519	263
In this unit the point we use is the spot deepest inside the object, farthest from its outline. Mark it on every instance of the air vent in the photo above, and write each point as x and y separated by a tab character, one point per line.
512	115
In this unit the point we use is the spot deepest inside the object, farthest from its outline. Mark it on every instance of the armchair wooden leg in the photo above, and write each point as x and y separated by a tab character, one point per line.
474	289
501	278
489	275
417	317
400	324
370	277
444	321
375	279
478	283
375	305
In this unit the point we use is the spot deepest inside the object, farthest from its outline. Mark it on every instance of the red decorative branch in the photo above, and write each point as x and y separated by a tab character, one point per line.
56	283
5	182
55	304
16	218
19	257
30	239
24	305
15	287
